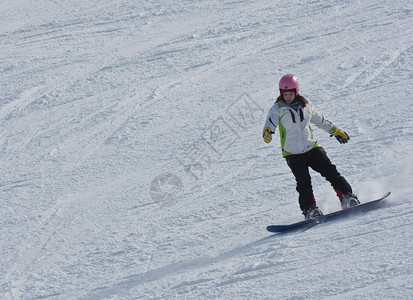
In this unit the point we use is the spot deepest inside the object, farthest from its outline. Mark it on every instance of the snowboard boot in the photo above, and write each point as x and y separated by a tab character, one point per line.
312	212
349	200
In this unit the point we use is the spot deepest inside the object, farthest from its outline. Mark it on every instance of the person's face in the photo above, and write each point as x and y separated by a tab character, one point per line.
289	96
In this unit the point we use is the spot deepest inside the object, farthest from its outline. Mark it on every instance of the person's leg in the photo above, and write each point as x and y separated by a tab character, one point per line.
299	167
320	163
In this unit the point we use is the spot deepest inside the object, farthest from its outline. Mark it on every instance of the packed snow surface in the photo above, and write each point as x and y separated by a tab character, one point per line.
132	160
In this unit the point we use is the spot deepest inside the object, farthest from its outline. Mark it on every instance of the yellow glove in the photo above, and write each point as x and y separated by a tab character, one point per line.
266	134
340	135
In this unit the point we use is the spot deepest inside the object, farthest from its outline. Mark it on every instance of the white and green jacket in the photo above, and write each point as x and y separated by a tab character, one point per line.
294	126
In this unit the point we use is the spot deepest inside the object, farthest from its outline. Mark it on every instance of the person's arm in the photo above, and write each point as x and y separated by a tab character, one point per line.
270	124
321	122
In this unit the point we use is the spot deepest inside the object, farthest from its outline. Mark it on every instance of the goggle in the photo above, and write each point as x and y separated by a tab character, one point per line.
282	91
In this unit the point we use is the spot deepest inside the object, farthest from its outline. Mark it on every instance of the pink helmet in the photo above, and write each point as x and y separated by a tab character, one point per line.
288	82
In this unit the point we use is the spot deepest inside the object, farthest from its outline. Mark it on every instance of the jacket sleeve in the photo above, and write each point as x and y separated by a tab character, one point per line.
318	120
272	118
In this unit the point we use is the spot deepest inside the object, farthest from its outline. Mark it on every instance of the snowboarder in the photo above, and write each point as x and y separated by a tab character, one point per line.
292	114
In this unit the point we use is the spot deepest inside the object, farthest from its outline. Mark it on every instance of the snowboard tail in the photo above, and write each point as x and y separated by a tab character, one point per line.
341	213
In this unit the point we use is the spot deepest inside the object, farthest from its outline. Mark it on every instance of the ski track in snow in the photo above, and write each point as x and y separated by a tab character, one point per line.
100	98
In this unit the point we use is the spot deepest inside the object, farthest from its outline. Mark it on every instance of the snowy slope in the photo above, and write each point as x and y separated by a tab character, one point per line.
133	167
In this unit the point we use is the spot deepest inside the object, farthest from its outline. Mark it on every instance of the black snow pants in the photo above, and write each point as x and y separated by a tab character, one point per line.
316	159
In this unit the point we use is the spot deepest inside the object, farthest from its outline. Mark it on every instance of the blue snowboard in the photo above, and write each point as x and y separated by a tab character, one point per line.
341	213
